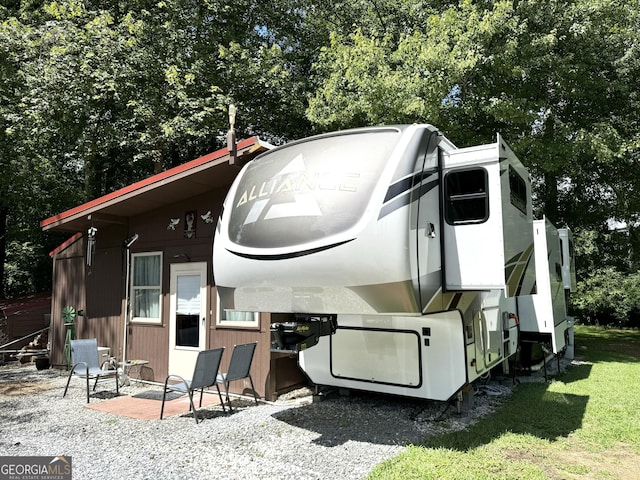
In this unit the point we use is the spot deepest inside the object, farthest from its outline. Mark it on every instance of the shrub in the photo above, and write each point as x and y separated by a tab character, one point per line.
607	296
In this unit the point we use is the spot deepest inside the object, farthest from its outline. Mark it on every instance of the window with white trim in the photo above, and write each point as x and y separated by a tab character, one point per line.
146	287
231	318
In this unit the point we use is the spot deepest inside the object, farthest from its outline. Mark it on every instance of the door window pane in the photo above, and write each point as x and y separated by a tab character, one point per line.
188	311
187	330
188	294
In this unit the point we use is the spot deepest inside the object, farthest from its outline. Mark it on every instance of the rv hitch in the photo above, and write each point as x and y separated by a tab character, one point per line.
302	333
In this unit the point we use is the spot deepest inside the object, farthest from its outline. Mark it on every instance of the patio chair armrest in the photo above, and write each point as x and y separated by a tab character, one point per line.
178	377
86	367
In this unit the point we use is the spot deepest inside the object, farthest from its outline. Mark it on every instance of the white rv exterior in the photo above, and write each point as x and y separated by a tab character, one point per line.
417	247
543	316
568	256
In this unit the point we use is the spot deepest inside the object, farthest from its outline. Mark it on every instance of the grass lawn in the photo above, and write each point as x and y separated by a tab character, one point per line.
585	424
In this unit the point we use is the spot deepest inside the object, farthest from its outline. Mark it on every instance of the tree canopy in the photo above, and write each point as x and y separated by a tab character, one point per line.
96	95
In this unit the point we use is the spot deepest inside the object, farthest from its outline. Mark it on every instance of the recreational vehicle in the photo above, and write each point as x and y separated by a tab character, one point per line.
543	315
398	256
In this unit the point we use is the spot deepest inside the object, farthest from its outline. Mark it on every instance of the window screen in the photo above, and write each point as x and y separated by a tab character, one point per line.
466	196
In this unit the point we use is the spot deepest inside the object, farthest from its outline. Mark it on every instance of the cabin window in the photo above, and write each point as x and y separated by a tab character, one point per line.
146	287
466	196
231	318
518	189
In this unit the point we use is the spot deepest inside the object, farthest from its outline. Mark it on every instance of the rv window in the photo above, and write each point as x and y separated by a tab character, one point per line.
146	287
309	191
466	196
518	190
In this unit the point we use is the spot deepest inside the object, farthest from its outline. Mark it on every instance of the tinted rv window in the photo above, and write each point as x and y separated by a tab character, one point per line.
310	190
466	196
518	190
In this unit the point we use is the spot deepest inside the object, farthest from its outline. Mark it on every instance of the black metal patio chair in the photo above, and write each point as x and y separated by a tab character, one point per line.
205	375
239	367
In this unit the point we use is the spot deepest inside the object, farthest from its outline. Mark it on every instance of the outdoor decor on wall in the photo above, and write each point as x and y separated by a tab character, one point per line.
173	222
190	224
207	217
91	245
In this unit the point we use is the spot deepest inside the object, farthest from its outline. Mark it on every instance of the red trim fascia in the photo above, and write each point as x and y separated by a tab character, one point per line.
65	244
149	181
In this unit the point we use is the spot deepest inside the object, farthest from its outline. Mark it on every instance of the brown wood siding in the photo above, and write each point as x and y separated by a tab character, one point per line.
105	294
105	303
151	343
68	290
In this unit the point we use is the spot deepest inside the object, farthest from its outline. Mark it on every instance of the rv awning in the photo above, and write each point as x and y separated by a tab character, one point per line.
198	176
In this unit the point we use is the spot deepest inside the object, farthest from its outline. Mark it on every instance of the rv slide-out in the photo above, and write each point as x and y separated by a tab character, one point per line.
398	257
543	315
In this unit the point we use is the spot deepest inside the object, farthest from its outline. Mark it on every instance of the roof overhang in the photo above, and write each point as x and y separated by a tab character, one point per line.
210	172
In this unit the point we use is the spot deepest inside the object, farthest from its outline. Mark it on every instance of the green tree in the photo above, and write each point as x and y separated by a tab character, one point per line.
558	79
30	184
96	95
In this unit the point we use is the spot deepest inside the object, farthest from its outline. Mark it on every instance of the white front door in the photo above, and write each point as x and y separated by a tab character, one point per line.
187	319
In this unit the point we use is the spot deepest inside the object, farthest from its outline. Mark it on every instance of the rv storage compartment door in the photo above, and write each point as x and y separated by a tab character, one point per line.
422	357
392	357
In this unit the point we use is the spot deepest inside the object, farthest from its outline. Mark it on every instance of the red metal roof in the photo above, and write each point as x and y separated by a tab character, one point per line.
65	244
192	178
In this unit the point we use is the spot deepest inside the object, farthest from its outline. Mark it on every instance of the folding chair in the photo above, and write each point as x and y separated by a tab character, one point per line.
239	367
84	354
205	374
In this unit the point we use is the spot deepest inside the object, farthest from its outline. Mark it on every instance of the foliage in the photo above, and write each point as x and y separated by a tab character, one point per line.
557	79
414	76
607	296
609	280
96	95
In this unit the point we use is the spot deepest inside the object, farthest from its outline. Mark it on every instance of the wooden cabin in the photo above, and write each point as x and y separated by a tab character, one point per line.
136	273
